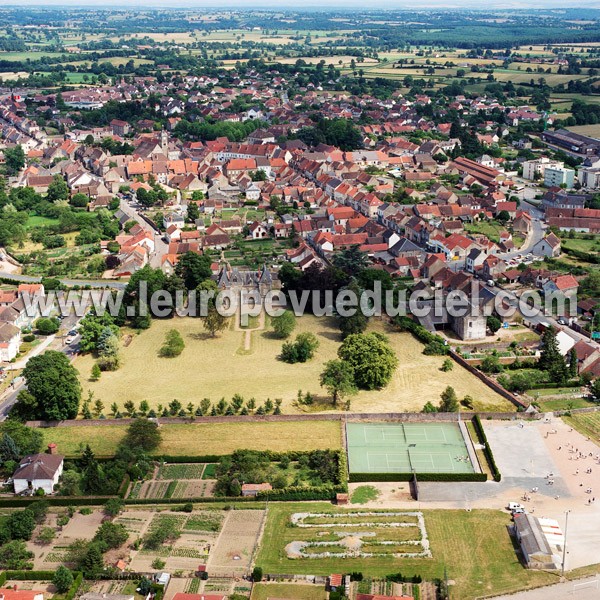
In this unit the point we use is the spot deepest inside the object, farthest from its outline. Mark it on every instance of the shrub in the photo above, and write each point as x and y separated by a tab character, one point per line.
257	574
173	345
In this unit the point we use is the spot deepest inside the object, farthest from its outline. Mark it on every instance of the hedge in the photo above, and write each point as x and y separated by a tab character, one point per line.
74	586
55	501
589	257
486	448
323	492
436	341
378	477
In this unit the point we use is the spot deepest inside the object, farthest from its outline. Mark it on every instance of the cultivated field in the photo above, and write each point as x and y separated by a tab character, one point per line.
587	424
203	439
474	547
263	591
227	365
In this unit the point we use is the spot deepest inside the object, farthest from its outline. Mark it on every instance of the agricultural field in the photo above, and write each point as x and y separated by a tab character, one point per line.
175	481
254	370
264	591
200	439
490	568
587	424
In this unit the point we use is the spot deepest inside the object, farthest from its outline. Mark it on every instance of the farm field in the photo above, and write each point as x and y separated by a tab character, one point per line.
204	438
591	130
263	591
587	424
474	547
253	370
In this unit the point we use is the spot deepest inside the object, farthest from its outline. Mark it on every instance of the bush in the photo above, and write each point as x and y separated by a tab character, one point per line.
173	345
29	337
301	350
434	344
257	574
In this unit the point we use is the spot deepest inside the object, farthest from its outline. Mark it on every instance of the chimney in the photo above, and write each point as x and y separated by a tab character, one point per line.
51	448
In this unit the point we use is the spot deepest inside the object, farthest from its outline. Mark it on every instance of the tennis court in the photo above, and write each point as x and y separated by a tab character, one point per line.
407	447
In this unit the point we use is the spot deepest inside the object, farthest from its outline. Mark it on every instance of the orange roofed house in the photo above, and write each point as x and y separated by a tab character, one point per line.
15	594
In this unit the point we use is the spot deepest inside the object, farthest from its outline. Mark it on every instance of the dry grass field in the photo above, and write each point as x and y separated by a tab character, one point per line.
221	367
203	439
263	591
591	130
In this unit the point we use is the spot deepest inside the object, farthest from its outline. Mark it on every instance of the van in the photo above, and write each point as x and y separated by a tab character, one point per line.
490	282
515	506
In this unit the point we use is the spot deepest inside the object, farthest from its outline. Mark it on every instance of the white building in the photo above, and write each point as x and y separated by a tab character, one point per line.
10	341
38	471
557	176
533	168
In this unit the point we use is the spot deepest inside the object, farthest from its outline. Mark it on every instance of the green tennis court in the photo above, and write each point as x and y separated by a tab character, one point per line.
407	447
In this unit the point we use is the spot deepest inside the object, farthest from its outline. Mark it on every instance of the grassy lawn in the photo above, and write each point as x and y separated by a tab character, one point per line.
364	493
581	244
36	221
200	439
221	367
491	229
587	424
262	591
564	403
474	547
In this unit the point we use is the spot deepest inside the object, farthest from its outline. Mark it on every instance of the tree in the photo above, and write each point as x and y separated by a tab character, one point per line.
52	381
257	574
356	323
491	364
92	563
493	323
113	507
110	535
14	555
301	350
21	525
70	483
46	535
338	378
193	269
47	325
449	401
429	408
214	322
193	212
447	365
14	159
144	434
595	388
503	216
371	357
351	260
58	189
96	372
26	439
284	324
63	579
573	368
551	359
173	346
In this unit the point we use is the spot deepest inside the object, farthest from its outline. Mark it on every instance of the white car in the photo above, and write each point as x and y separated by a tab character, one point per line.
70	340
515	506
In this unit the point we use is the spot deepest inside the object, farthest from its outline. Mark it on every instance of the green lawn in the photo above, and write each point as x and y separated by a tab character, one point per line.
491	229
37	221
581	244
564	404
201	439
473	547
364	493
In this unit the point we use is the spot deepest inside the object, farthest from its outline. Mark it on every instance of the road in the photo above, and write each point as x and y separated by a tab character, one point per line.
8	399
582	589
97	284
160	246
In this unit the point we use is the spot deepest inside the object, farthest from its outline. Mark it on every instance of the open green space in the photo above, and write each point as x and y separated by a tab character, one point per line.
473	547
202	439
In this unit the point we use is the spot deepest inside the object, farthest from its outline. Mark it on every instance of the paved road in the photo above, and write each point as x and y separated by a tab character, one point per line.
98	283
160	246
9	397
582	589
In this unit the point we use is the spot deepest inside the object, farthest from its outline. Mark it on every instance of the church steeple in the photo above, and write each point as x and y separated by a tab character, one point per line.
164	142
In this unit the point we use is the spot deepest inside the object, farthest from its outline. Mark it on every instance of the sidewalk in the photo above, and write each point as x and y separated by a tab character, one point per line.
20	364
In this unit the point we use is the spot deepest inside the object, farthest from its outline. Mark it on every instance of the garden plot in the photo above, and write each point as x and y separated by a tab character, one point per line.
186	480
237	542
360	535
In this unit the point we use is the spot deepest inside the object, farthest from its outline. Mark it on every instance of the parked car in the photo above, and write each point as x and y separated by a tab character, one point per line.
514	506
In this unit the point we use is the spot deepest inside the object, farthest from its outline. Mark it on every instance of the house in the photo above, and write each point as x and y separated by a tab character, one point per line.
563	284
38	471
258	231
548	246
173	219
10	341
13	593
253	489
